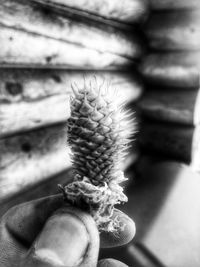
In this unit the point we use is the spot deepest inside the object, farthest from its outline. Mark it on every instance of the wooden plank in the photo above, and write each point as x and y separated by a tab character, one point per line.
174	30
177	69
130	11
171	4
19	48
40	189
22	116
180	107
47	187
174	141
26	16
29	158
34	98
32	159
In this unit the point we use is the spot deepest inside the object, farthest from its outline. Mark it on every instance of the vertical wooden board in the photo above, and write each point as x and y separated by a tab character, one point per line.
28	17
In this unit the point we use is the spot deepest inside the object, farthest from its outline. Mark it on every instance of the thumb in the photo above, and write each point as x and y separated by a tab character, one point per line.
69	238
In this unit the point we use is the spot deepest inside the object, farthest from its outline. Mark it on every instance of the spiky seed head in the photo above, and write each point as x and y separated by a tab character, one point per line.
99	132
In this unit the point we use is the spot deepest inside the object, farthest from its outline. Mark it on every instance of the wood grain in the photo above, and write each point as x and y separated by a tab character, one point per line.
33	158
177	142
171	4
39	40
24	15
177	69
38	98
128	11
29	158
179	107
174	30
19	48
40	189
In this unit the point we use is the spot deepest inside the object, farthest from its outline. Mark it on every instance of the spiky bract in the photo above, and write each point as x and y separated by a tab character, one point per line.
99	132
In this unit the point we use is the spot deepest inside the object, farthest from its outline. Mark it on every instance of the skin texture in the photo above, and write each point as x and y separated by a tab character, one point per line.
48	233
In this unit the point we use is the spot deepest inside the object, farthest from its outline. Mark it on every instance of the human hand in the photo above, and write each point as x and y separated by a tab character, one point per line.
46	233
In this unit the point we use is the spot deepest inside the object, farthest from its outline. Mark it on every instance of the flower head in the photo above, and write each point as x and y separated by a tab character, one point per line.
99	132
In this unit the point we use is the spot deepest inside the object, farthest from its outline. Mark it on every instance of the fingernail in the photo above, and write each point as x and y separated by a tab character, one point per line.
63	241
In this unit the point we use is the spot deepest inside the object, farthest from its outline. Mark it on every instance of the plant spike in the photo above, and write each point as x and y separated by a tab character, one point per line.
99	132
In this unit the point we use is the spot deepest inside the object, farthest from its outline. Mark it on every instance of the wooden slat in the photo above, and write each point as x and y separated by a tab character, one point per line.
34	98
30	18
177	69
176	142
174	30
171	4
180	107
128	11
19	48
32	157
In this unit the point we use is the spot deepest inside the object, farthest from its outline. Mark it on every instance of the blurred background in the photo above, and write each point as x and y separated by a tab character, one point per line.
149	52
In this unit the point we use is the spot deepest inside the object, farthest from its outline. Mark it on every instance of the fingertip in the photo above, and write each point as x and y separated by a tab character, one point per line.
69	238
111	263
64	239
26	220
91	256
124	234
